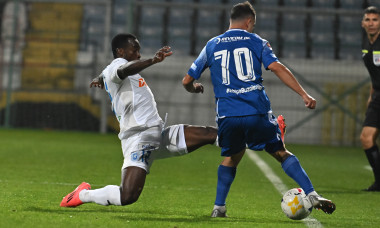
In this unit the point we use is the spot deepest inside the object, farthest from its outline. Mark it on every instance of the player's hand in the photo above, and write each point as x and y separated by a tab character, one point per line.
162	54
309	101
198	88
97	82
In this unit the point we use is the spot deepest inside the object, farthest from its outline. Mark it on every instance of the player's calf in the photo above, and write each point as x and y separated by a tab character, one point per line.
198	136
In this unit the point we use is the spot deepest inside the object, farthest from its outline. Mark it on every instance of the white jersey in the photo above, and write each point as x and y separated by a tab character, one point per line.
132	101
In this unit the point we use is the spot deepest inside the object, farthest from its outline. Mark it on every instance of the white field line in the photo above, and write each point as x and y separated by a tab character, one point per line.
278	184
367	167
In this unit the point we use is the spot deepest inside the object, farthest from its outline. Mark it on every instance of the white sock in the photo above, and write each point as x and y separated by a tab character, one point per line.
222	209
109	195
313	193
216	143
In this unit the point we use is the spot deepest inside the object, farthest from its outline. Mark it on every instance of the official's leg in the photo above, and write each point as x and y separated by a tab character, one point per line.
198	136
368	140
368	137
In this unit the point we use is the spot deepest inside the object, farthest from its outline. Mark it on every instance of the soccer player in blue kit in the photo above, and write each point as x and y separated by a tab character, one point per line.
244	115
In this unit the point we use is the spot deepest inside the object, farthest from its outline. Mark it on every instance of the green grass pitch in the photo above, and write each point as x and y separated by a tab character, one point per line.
38	168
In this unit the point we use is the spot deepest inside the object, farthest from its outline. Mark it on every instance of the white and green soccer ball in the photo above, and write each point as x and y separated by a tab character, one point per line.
295	204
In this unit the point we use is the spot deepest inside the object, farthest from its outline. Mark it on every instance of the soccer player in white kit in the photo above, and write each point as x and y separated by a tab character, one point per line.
142	133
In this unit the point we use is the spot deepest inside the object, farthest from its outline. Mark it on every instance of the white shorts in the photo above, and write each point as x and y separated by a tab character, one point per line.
143	148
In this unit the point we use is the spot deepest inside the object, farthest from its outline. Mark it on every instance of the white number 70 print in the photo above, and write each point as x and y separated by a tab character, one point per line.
245	75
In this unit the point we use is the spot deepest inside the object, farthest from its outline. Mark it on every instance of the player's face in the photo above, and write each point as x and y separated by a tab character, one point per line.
371	23
132	51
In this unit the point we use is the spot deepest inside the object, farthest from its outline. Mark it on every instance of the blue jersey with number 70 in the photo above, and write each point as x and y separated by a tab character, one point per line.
234	59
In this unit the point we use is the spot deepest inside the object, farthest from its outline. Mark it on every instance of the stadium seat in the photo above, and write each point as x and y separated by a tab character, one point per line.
374	3
322	52
51	51
351	4
266	21
352	23
351	53
180	17
152	15
180	45
323	23
350	39
295	3
323	3
294	51
293	22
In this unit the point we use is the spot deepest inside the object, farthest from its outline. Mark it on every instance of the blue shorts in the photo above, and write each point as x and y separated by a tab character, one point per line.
257	132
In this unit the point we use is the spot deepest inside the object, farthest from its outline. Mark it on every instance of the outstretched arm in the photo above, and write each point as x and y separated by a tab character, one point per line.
135	66
288	79
98	82
190	86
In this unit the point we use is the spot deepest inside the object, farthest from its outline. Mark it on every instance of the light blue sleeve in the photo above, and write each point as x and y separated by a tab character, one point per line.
199	65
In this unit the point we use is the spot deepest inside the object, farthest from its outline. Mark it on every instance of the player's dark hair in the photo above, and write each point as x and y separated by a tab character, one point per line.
372	9
242	11
121	41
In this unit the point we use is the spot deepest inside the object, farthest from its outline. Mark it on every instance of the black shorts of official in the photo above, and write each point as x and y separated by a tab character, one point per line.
372	116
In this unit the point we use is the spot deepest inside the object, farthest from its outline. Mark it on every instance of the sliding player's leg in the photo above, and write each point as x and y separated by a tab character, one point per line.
135	168
198	136
133	179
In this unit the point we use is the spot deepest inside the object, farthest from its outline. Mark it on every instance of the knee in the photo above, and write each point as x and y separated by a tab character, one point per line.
129	198
281	155
366	141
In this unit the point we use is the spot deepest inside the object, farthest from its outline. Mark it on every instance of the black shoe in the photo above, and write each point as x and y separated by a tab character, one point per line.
375	187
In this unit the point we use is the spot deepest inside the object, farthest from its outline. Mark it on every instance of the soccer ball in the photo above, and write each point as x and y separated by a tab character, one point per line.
295	204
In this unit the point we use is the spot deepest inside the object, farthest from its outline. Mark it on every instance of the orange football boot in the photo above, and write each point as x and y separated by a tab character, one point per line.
282	126
72	199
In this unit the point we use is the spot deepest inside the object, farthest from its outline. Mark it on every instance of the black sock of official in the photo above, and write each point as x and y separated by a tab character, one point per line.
373	157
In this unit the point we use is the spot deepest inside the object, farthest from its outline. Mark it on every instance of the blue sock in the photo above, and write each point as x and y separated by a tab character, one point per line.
293	168
226	176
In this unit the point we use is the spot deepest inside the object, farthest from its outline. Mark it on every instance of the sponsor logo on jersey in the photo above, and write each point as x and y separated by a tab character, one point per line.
231	39
244	90
142	82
